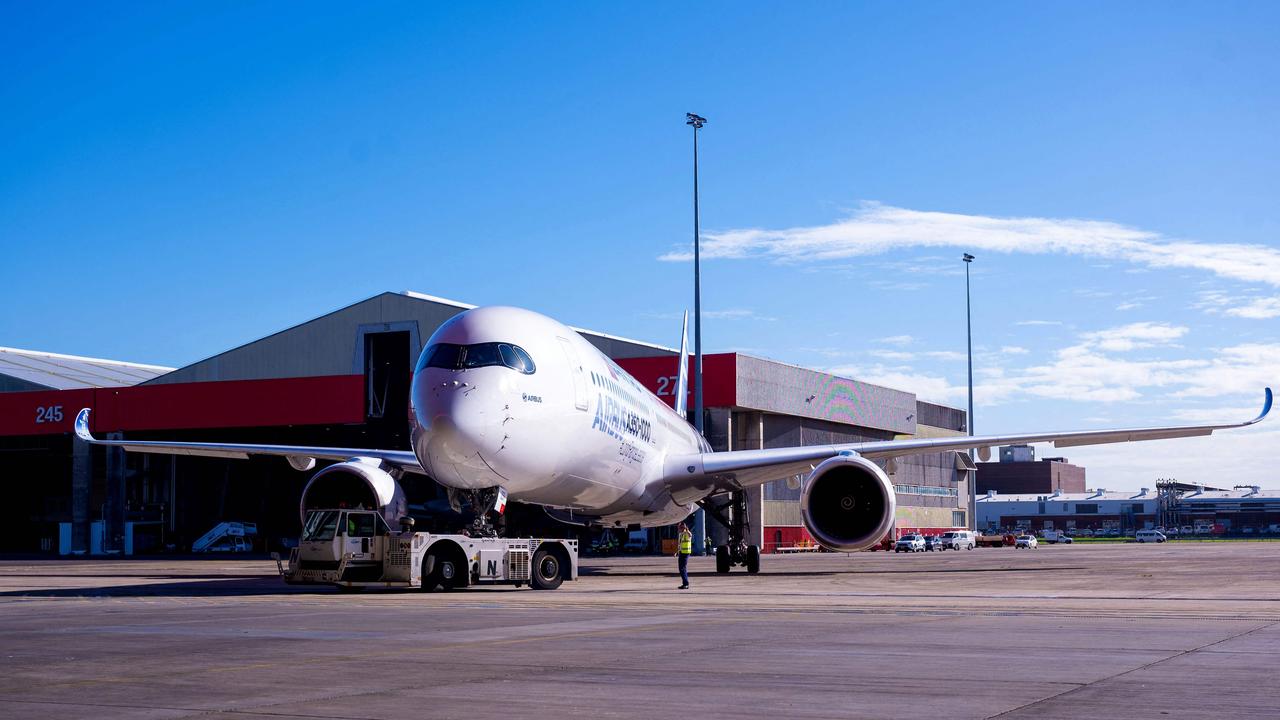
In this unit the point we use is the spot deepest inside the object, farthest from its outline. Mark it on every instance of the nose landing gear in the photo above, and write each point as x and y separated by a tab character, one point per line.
733	515
482	502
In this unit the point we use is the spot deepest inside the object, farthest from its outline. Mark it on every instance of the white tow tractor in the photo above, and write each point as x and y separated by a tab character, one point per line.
356	549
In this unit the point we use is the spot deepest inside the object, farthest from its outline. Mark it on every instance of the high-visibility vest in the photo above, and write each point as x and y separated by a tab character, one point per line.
686	543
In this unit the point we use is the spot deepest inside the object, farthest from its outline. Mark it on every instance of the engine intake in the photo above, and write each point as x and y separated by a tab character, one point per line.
848	503
352	484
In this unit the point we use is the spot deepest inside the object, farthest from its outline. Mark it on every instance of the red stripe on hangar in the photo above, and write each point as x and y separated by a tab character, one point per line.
326	400
658	374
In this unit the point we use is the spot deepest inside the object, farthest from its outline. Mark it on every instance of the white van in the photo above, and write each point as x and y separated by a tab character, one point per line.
1146	536
956	540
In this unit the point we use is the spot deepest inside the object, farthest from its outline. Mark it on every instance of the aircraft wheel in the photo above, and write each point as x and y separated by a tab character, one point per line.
753	559
546	571
722	559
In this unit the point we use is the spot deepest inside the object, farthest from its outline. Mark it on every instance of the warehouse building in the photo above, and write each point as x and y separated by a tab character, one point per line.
1094	509
342	379
1018	473
1243	510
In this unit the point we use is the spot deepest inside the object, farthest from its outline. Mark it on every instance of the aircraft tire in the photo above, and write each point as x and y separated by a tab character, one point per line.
753	559
722	559
545	572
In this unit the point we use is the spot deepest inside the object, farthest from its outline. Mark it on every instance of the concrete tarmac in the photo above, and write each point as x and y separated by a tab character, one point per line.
1084	631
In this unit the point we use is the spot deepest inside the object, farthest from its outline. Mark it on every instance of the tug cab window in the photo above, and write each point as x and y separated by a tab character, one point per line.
321	525
465	357
361	524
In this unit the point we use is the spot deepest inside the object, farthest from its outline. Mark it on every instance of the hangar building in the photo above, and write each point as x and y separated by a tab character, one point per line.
342	379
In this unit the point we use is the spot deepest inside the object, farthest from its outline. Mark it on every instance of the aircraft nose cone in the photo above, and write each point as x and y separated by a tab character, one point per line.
459	432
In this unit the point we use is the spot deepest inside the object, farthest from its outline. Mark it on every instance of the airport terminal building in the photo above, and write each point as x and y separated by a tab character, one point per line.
342	380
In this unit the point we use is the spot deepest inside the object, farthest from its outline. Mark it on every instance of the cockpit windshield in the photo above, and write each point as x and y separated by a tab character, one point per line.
465	357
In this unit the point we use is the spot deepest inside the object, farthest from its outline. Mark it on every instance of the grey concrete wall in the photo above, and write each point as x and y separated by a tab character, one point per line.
790	390
331	344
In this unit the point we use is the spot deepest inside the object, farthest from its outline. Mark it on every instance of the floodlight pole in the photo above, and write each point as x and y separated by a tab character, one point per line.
968	312
696	122
699	517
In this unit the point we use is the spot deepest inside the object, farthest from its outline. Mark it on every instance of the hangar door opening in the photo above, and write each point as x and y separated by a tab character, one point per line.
387	374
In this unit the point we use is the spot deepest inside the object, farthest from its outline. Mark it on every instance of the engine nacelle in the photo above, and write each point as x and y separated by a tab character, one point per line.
848	503
356	483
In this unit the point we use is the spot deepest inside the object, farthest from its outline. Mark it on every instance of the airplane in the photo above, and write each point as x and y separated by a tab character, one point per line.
507	403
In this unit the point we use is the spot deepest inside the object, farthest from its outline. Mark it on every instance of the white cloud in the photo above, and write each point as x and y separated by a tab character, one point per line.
735	314
1257	309
731	314
1013	350
874	228
1135	335
1094	368
1217	302
926	387
1133	465
899	340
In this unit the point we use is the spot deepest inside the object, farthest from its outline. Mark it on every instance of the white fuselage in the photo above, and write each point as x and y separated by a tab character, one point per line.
576	433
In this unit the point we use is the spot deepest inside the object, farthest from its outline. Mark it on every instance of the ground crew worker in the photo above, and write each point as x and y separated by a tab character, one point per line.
684	548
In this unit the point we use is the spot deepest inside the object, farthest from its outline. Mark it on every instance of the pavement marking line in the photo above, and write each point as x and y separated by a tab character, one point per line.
1082	686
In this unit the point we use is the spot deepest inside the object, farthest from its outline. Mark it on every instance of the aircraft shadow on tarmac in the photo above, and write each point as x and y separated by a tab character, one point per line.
239	586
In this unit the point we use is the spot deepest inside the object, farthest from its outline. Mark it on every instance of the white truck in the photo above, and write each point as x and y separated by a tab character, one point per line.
356	549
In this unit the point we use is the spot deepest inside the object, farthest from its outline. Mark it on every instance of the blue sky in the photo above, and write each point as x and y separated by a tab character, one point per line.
178	179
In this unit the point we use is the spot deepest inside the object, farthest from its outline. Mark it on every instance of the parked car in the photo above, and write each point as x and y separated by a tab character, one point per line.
1172	530
909	543
931	543
1025	541
957	540
1146	536
1065	540
1084	532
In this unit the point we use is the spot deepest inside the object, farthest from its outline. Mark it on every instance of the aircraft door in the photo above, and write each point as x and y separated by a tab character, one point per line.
578	373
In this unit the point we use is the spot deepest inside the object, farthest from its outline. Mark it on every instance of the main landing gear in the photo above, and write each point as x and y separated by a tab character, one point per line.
733	515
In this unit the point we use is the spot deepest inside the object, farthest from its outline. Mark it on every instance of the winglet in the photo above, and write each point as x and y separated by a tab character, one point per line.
682	373
82	426
1266	407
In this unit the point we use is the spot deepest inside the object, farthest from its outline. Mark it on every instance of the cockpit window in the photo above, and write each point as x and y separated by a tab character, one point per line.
464	357
481	355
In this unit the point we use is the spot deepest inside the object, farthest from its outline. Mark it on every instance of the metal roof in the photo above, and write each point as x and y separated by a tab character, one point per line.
33	370
1246	494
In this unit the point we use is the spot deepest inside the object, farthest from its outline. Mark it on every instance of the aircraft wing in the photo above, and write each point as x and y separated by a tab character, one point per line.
745	468
299	456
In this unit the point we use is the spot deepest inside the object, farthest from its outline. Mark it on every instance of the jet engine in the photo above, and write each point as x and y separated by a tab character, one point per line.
848	503
362	482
